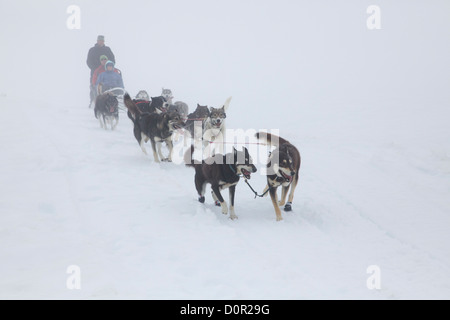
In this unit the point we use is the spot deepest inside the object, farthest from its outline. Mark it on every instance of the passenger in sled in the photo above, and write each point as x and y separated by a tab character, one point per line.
111	78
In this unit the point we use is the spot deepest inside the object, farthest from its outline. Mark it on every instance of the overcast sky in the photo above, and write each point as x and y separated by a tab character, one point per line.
262	52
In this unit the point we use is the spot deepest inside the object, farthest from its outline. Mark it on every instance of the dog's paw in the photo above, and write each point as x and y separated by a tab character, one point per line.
201	199
233	217
279	218
288	207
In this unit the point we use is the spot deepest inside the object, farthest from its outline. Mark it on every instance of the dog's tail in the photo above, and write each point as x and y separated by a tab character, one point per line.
270	139
131	106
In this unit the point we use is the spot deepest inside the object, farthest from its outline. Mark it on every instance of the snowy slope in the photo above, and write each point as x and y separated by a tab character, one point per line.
74	194
368	110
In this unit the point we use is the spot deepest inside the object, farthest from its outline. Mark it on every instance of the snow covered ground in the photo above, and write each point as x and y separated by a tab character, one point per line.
74	194
374	182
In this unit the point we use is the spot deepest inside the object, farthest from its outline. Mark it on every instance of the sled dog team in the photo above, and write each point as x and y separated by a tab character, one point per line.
156	120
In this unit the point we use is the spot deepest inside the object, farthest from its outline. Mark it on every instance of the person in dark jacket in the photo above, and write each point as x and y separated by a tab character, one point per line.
99	49
110	78
93	58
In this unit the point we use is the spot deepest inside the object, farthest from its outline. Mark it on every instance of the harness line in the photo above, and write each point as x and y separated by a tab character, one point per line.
256	193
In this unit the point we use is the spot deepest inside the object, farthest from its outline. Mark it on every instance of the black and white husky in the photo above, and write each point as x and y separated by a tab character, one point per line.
221	171
155	127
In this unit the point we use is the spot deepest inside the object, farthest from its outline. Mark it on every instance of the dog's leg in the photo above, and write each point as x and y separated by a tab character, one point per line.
158	145
288	206
265	190
110	120
169	144
116	123
142	146
216	201
100	120
274	197
104	122
155	155
200	185
284	192
232	191
223	204
142	142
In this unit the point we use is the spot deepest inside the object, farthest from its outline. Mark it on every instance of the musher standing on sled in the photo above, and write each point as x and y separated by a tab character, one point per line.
93	59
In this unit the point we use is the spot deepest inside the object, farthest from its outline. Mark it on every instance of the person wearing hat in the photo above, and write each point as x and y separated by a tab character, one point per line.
110	78
99	49
93	58
100	69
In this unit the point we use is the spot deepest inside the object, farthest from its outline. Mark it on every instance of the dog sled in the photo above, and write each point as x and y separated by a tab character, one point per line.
117	92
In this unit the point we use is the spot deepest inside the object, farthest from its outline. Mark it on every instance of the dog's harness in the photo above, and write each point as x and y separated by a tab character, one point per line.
279	179
246	181
256	193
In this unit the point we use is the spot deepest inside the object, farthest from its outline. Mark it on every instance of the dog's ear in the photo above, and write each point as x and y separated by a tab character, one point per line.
227	103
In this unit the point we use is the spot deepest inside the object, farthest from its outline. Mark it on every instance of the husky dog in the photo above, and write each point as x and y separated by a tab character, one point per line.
167	93
154	127
195	125
214	131
282	170
142	95
106	110
157	104
221	171
181	108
